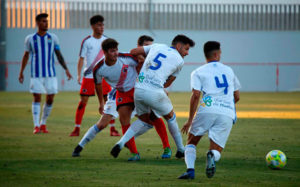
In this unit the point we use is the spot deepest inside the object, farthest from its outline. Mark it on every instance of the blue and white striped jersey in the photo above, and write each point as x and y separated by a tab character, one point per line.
41	49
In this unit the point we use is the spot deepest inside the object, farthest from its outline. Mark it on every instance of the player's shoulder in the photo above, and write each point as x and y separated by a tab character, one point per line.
98	66
198	70
104	37
29	36
85	39
52	35
225	67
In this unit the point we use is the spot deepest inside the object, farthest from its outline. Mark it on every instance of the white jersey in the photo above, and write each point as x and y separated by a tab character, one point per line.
41	49
161	62
217	82
91	51
121	75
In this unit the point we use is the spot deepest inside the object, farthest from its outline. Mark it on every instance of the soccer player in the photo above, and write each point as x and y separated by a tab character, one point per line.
90	53
119	71
161	66
220	91
158	123
41	46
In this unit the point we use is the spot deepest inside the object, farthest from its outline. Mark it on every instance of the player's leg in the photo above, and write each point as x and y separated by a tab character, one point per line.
47	108
87	89
218	135
91	133
161	130
50	85
79	114
36	110
190	156
175	132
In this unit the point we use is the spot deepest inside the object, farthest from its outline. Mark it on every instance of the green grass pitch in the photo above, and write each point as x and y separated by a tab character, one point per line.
45	159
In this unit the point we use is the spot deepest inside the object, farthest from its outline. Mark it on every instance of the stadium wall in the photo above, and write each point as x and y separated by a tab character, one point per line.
263	60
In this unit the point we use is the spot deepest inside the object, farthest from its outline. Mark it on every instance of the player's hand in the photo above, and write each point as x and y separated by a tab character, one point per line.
101	109
186	127
79	79
69	75
21	78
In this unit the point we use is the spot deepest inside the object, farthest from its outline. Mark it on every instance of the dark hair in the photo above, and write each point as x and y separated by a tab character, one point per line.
40	16
95	19
209	47
109	44
183	39
144	38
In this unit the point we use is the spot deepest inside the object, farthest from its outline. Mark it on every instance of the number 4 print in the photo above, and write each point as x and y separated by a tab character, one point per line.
222	85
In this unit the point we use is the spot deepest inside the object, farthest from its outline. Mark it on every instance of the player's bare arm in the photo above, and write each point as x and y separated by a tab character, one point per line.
98	88
23	65
61	60
193	107
138	51
79	68
169	81
236	95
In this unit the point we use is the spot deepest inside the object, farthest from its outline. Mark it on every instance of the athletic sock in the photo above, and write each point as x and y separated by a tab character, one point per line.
79	112
217	155
36	110
190	156
89	135
112	123
46	112
175	132
161	130
140	127
131	143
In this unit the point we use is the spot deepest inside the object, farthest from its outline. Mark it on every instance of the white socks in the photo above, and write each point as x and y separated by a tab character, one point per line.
190	156
136	129
89	135
46	112
36	110
217	155
175	132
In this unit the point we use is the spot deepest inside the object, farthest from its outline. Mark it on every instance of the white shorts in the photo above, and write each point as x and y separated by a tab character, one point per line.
218	127
43	85
110	108
147	100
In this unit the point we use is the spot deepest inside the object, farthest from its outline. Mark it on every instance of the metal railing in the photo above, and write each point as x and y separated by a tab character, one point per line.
163	16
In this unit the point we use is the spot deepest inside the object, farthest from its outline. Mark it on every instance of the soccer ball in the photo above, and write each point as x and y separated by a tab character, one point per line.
276	159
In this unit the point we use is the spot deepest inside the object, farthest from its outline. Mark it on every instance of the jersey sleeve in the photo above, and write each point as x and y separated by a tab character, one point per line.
195	81
56	42
83	49
27	44
175	74
236	83
97	77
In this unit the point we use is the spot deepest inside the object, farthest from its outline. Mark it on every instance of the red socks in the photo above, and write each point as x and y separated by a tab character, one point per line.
131	143
79	113
161	130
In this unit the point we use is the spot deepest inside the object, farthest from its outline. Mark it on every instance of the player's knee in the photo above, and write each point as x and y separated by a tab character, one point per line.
169	116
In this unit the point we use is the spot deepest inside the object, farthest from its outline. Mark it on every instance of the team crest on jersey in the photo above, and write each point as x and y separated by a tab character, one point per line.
120	99
84	90
125	69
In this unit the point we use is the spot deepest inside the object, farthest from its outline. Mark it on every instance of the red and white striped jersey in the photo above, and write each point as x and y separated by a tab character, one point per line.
91	51
122	75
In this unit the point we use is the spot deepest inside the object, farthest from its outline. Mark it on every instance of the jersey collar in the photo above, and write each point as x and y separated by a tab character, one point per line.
213	61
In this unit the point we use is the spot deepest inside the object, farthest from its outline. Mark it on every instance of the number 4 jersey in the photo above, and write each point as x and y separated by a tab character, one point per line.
161	62
217	82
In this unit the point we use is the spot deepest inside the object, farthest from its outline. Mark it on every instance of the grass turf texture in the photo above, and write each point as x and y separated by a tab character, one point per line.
45	159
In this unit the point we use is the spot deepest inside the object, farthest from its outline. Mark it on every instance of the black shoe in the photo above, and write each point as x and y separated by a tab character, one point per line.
179	154
77	151
210	164
190	174
115	150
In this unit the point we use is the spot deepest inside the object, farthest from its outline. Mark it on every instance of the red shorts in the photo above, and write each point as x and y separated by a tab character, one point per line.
87	87
125	98
106	88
